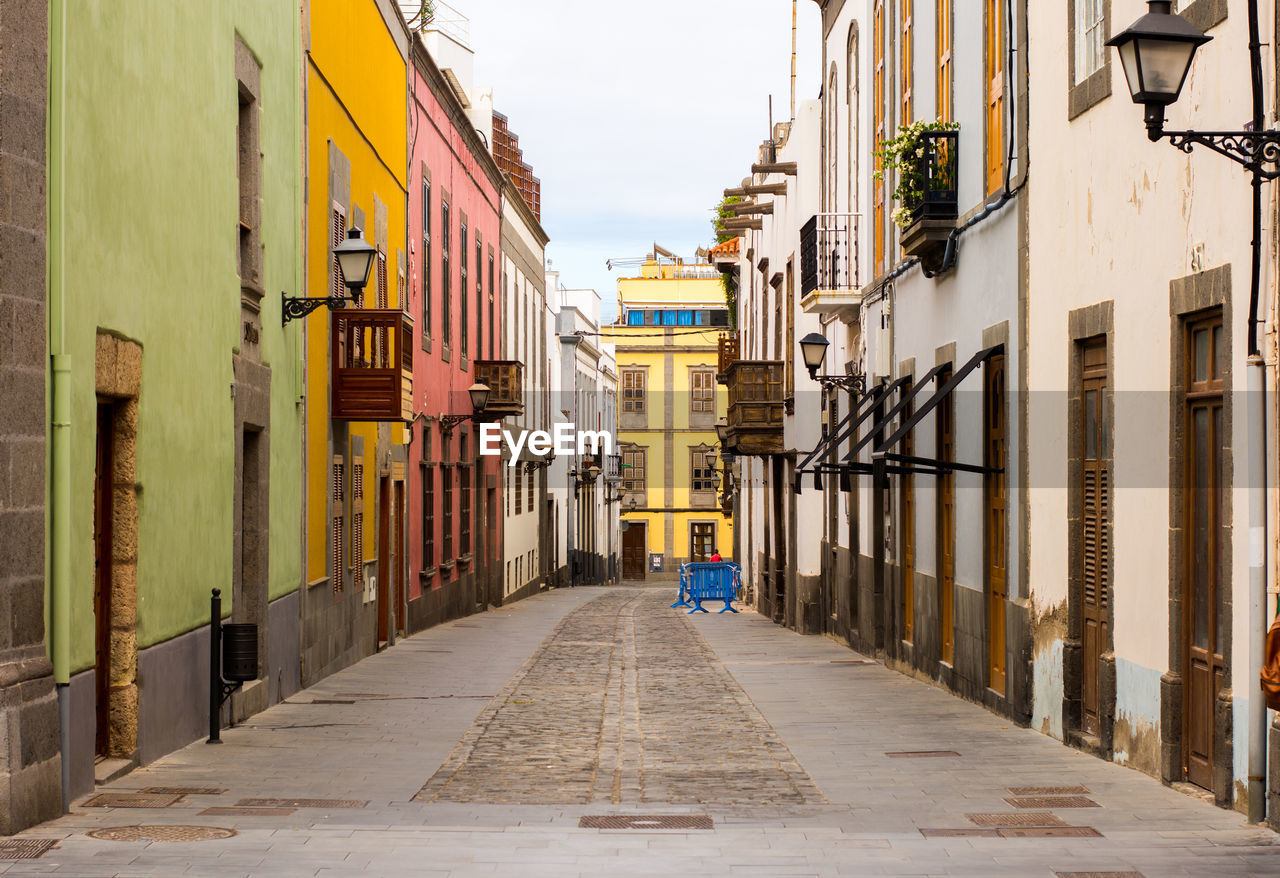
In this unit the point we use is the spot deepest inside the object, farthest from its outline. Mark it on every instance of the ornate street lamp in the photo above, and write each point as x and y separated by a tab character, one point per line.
479	394
1156	52
813	347
355	259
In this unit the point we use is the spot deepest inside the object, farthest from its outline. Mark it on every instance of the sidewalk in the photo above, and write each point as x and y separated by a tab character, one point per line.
611	703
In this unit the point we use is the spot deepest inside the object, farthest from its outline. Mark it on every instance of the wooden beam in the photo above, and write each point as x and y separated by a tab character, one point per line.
730	225
766	189
752	207
788	168
735	193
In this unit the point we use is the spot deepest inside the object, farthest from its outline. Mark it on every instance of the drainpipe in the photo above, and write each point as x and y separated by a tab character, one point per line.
59	500
1257	430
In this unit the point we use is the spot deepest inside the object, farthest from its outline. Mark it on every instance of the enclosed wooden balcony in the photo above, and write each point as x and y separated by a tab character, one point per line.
505	380
372	357
727	355
755	407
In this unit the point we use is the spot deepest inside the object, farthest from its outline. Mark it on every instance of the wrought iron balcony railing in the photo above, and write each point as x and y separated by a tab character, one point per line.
936	172
829	253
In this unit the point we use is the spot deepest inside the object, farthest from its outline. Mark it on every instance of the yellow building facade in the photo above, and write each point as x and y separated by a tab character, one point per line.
670	319
356	160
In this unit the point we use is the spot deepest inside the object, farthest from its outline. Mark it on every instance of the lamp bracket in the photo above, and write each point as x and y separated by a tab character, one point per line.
855	385
1257	151
448	422
297	307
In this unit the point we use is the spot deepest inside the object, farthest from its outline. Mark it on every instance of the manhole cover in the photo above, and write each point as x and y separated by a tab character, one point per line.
131	800
1026	818
25	848
960	833
1048	791
1052	802
229	811
911	754
182	791
301	803
157	832
1050	832
646	821
1099	875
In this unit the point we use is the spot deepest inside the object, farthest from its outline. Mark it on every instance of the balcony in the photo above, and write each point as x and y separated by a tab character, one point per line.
755	407
505	380
372	362
613	468
931	215
829	283
728	355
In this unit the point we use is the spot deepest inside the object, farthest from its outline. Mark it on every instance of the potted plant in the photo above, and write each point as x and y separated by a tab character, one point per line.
923	157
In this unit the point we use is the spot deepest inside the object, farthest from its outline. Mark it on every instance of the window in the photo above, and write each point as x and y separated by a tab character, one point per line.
529	479
946	40
357	524
701	541
480	309
878	129
1089	51
464	481
337	232
446	483
635	318
633	381
704	392
337	512
993	89
519	491
382	278
446	305
249	169
703	473
906	60
462	283
633	471
426	257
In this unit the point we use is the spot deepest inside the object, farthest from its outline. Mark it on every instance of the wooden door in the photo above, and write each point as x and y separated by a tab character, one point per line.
384	559
401	560
946	520
778	486
1095	491
1205	624
633	551
102	538
908	534
996	518
701	541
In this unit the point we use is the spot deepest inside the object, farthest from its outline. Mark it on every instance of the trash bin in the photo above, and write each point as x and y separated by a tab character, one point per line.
239	652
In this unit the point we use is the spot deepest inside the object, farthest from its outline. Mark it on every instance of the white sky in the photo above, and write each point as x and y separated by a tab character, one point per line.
637	116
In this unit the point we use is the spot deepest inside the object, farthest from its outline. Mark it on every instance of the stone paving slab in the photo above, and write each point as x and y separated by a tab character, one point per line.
679	707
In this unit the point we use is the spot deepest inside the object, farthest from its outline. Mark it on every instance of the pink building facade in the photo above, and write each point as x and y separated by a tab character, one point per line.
455	495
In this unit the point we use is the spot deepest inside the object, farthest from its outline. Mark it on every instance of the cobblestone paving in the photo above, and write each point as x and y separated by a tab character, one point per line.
624	703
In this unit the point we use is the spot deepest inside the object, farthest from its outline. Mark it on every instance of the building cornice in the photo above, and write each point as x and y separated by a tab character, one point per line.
443	92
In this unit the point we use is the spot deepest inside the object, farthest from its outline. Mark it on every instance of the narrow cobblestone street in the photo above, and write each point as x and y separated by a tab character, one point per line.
479	747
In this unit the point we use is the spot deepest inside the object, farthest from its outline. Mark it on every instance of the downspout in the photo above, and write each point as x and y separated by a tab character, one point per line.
59	500
1257	428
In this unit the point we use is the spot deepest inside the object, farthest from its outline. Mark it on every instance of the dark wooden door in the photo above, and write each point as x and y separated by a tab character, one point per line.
908	535
1205	623
1095	488
996	519
779	544
400	564
701	541
633	551
102	514
947	520
384	559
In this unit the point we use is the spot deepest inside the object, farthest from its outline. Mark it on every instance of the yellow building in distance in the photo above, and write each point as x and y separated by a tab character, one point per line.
669	322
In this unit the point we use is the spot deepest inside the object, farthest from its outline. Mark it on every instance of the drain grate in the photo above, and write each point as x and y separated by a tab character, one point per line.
1026	818
960	833
231	811
1099	875
325	701
132	800
25	848
913	754
646	821
1048	791
1050	832
157	832
182	791
852	662
302	803
1052	802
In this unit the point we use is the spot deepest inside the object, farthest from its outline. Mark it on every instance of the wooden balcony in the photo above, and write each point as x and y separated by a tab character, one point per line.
728	354
372	360
505	380
755	407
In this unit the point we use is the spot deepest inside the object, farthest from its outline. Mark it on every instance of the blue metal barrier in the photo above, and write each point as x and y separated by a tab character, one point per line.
709	581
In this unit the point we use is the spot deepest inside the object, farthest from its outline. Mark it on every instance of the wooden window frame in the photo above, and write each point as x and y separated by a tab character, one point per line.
994	42
464	260
426	260
446	292
945	37
879	186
